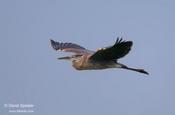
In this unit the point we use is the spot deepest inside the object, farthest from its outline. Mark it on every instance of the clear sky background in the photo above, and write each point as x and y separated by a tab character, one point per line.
31	74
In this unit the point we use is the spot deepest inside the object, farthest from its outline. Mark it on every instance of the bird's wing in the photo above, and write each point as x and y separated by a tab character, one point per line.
118	50
69	47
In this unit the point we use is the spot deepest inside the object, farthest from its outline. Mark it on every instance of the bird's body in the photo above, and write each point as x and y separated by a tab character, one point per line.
93	65
102	59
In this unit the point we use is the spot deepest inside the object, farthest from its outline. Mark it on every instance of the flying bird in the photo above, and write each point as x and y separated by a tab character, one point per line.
103	58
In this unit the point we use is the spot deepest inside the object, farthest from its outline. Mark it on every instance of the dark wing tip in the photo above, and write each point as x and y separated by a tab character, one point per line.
129	43
69	47
54	44
52	41
120	40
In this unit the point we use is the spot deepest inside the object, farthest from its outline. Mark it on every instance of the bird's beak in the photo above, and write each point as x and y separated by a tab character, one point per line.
65	58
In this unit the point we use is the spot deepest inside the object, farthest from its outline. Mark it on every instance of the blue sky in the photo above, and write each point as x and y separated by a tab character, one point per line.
31	74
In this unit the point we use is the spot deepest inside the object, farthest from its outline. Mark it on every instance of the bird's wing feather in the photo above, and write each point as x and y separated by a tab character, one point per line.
69	47
118	50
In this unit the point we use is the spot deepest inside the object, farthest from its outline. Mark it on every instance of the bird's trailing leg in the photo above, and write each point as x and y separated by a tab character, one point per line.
134	69
137	70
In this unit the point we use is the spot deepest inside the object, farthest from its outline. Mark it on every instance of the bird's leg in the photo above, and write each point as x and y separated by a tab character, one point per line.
133	69
137	70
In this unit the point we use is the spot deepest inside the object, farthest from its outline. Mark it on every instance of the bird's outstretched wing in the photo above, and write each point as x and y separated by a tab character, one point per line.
69	47
118	50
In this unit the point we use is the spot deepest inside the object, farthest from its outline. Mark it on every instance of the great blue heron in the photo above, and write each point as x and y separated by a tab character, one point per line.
104	58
